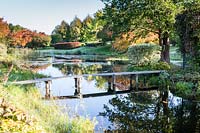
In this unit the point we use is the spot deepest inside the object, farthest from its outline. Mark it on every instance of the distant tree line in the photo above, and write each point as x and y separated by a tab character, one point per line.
89	30
18	36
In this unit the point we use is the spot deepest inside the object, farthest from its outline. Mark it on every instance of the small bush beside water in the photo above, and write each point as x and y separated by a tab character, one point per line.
150	66
184	88
185	83
143	53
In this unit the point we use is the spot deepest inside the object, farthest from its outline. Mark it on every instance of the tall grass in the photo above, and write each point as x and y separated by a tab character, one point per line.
49	115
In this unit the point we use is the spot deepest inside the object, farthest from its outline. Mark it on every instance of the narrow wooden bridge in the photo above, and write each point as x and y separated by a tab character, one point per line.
77	81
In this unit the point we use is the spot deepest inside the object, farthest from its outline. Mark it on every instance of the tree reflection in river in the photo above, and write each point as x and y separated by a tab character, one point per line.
78	69
145	113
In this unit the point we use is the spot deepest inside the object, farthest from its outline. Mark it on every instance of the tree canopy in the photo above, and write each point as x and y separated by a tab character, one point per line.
61	32
143	16
84	31
188	28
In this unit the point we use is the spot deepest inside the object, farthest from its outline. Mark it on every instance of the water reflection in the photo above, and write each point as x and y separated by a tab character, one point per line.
135	112
145	112
79	69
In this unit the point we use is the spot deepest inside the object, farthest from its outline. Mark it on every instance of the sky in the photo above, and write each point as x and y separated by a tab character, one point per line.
44	15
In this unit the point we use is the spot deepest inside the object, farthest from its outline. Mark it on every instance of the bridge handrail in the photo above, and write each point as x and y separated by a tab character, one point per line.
86	75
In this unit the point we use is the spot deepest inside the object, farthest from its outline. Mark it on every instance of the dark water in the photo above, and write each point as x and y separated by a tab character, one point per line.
133	112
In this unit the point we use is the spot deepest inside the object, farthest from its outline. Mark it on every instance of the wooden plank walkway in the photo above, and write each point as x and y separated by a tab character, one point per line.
112	84
87	75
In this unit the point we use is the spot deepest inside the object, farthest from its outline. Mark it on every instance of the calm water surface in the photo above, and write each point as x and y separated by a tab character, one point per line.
135	112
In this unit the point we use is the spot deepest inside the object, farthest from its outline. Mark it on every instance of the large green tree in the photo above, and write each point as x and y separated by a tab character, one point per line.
142	17
56	38
63	31
188	27
75	29
87	30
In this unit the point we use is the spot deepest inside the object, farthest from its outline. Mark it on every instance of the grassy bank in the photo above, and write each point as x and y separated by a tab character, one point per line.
22	108
105	50
27	112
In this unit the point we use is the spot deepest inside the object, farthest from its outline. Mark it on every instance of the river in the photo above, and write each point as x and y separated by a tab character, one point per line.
132	112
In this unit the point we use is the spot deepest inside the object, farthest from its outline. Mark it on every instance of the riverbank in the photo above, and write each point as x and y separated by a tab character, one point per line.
105	50
23	110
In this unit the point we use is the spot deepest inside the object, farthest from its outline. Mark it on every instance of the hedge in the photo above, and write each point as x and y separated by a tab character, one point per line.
144	53
67	45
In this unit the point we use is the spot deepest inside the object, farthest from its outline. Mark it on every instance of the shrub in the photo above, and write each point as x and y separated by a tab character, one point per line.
143	53
67	45
184	88
160	66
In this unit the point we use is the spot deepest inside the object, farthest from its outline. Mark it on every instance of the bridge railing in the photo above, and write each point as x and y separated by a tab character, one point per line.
77	81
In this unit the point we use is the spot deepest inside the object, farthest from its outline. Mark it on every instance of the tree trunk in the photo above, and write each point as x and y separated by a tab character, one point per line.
165	48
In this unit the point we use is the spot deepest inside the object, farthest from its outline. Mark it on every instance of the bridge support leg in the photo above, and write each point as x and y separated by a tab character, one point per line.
48	90
109	84
113	83
144	81
136	81
77	86
131	82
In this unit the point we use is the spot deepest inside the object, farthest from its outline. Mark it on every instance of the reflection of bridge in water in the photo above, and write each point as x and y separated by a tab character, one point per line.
112	84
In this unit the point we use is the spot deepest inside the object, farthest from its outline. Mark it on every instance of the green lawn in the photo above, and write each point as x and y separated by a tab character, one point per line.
175	55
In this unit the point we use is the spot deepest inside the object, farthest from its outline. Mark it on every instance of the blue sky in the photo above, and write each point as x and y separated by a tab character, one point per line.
44	15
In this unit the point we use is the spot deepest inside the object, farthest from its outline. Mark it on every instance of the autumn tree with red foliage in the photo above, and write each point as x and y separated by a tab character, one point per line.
39	40
27	38
4	30
20	38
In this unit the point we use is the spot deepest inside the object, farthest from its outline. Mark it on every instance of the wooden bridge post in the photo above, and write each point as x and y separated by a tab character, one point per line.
131	82
136	81
77	86
109	84
144	81
113	82
48	90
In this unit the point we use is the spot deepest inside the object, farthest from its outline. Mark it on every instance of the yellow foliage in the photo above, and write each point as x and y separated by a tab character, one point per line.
149	38
125	40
